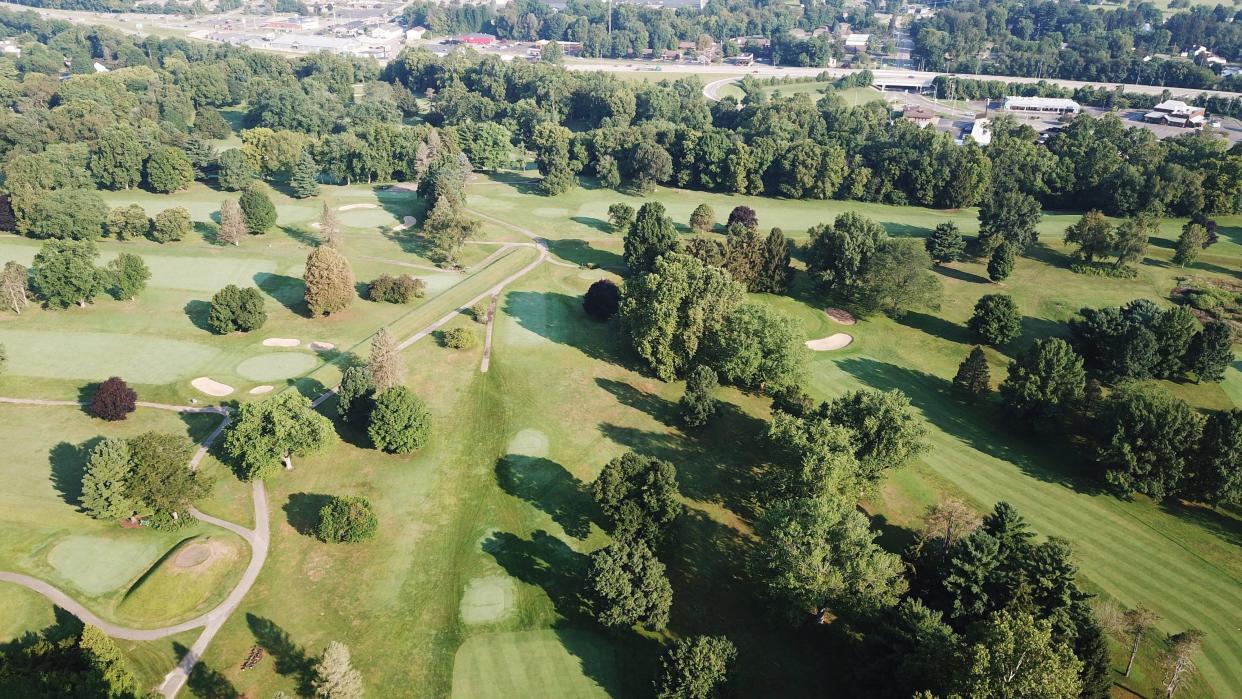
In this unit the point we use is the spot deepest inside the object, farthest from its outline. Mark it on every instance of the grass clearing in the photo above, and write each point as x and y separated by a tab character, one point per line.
534	663
176	588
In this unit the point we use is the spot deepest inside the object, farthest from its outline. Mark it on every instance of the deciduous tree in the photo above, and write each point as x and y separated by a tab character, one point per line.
114	400
160	477
171	225
128	222
620	216
626	586
329	281
1044	382
15	286
1217	472
698	404
232	223
757	347
1137	622
1178	660
329	227
638	494
266	433
1014	656
695	668
128	276
1146	439
602	299
168	169
703	220
1093	235
1211	352
400	422
64	273
257	209
996	319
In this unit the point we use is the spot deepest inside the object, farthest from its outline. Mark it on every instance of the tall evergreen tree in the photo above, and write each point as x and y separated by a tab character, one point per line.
329	281
1001	263
335	676
650	236
1211	352
1044	382
698	405
945	244
103	482
257	209
973	377
329	227
774	275
304	178
1189	245
385	367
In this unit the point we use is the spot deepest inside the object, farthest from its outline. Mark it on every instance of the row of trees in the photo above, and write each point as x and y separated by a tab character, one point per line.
64	273
143	475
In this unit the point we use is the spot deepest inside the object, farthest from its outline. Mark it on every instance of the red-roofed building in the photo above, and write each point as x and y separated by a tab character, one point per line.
477	39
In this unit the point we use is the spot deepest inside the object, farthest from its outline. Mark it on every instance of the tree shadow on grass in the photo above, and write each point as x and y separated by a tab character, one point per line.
1041	252
204	681
584	254
209	232
1215	521
662	410
197	311
290	292
302	511
549	487
289	659
893	538
960	274
68	462
65	625
598	224
936	327
546	562
560	318
301	235
1033	329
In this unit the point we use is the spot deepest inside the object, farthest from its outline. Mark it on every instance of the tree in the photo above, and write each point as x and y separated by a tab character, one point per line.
128	275
949	520
1012	655
671	311
775	272
887	433
329	227
114	400
446	230
1211	352
650	236
116	161
8	219
638	495
1132	237
895	280
64	273
819	553
355	396
996	319
171	225
1008	216
459	338
1001	264
1189	245
945	244
551	52
1217	476
1093	235
550	142
232	223
168	169
602	300
838	256
304	178
385	367
15	287
626	586
257	209
69	214
1174	329
1146	439
757	348
329	281
651	165
236	309
1137	622
266	433
1178	660
698	406
400	422
745	216
104	495
128	222
620	216
335	676
115	681
973	378
1044	382
160	478
703	220
209	123
399	289
695	668
234	172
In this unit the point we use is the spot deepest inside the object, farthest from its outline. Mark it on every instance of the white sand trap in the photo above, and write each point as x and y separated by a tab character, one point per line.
407	222
281	342
841	316
487	599
529	442
260	390
351	207
832	342
211	387
321	346
315	225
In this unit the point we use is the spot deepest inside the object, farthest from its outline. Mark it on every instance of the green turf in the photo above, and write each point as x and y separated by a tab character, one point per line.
534	664
68	354
167	593
277	365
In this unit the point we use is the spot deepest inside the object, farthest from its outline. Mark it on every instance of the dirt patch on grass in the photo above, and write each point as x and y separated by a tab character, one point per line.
199	553
281	342
211	387
841	316
832	342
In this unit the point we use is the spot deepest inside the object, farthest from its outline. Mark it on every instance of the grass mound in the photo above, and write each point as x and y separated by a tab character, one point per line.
187	581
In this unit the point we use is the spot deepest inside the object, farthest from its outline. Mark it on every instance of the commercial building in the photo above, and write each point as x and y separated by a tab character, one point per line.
920	116
1176	113
477	39
298	43
855	43
981	132
1042	105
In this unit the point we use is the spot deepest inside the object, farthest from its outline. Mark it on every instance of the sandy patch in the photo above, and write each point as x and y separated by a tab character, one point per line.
260	390
351	207
321	346
199	553
832	342
407	222
529	442
841	316
211	387
488	599
281	342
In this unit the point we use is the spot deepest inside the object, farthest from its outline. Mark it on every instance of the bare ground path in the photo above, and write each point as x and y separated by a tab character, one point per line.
210	622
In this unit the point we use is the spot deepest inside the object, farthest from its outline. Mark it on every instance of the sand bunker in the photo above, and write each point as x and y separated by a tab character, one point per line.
260	390
841	316
281	342
487	600
351	207
321	346
200	552
211	387
832	342
407	222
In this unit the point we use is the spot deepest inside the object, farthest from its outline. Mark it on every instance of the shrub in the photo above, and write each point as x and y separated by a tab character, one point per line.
234	308
402	289
460	338
171	224
479	310
602	300
703	219
347	519
114	400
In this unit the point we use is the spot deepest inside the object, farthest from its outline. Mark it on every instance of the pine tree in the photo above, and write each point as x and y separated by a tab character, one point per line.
650	236
385	366
103	483
329	227
1000	266
108	664
304	179
400	422
973	377
1189	245
232	224
335	676
698	405
775	272
257	209
329	281
945	244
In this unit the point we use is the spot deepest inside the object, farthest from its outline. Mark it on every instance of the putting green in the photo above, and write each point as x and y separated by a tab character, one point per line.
487	600
277	365
367	218
99	564
535	664
63	354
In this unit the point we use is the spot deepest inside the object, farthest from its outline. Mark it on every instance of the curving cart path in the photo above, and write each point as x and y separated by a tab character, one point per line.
258	538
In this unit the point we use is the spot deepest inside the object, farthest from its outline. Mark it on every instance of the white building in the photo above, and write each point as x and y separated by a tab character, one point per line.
415	33
1042	105
857	42
981	132
10	48
386	32
312	44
